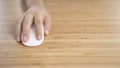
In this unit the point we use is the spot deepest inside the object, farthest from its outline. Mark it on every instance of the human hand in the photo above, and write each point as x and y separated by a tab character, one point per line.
34	15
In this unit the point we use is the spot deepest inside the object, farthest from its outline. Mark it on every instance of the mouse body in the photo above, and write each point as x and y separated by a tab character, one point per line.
32	41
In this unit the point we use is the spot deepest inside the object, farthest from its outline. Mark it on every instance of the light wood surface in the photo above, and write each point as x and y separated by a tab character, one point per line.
85	34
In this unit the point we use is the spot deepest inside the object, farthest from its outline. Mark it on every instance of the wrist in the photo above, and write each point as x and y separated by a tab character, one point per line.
36	6
37	3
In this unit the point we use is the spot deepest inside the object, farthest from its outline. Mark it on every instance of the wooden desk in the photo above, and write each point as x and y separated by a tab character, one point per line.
85	34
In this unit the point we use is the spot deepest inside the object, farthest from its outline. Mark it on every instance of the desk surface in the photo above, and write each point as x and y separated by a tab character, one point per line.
85	34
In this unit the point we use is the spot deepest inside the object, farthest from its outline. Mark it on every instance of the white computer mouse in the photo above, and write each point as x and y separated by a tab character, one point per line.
32	41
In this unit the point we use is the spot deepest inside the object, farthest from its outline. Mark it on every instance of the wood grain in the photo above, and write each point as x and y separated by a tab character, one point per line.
85	34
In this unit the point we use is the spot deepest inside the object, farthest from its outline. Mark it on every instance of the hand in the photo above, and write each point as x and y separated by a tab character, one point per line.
34	15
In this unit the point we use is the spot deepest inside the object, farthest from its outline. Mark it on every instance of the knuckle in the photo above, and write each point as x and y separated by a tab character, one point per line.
25	30
18	33
46	27
18	24
38	23
38	30
38	33
28	15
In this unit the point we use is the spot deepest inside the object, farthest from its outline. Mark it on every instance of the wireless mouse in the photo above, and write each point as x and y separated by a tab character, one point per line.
32	41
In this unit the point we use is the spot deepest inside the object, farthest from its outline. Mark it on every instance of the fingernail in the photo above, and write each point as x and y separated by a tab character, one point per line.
18	39
39	37
25	39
